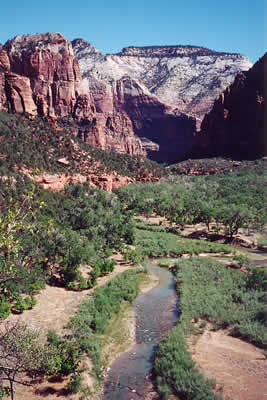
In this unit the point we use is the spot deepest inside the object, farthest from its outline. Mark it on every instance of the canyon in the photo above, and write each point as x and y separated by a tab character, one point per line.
145	101
235	125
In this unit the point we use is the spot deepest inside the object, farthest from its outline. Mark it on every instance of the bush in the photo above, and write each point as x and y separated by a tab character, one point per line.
75	383
82	283
5	309
175	371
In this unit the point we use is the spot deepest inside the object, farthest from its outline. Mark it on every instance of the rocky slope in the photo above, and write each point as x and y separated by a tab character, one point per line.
235	125
39	74
143	101
164	90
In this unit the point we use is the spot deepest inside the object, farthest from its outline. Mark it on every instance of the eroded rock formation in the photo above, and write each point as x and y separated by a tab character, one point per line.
39	74
235	125
165	91
143	101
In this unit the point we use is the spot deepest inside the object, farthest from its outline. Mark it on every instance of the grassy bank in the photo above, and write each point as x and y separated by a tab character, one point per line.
154	241
88	329
214	293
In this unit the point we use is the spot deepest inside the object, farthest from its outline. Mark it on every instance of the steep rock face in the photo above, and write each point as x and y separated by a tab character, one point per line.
4	68
47	61
39	74
165	91
235	125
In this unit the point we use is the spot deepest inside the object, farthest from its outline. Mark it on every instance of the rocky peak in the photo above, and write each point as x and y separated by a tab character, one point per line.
164	90
39	74
84	47
172	51
55	42
186	78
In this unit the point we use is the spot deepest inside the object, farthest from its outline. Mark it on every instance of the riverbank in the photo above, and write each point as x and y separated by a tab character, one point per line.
213	297
239	368
156	313
55	307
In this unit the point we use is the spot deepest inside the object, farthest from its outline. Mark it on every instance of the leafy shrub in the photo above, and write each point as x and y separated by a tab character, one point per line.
75	383
241	260
5	309
82	283
175	371
227	297
257	278
67	353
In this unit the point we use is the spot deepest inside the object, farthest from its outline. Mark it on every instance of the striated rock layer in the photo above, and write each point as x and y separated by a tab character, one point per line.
235	125
165	91
143	101
39	74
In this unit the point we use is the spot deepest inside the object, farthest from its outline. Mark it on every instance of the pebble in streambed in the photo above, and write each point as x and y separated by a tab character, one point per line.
129	377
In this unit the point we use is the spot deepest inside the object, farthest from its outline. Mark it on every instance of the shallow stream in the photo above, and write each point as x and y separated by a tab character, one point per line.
129	377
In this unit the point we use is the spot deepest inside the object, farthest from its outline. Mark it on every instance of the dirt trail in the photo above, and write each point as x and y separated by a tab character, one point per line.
240	369
56	305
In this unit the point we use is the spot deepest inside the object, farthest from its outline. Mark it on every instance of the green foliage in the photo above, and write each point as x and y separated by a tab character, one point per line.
5	308
22	304
226	297
241	260
158	244
95	312
210	291
175	371
257	278
50	234
36	145
67	353
75	383
4	392
233	200
82	283
22	352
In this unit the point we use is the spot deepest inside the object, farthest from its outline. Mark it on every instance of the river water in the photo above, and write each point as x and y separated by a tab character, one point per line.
129	377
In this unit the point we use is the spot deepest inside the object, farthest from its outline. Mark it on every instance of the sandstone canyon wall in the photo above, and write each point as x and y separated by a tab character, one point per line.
143	101
165	91
235	125
40	75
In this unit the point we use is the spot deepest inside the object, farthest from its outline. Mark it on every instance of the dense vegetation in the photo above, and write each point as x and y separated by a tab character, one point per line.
216	165
45	236
230	201
90	322
36	145
226	298
153	241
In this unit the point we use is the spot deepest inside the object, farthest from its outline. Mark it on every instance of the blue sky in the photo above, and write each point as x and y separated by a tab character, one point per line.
228	25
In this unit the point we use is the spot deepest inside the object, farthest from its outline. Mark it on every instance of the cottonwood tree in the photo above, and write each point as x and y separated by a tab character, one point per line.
22	355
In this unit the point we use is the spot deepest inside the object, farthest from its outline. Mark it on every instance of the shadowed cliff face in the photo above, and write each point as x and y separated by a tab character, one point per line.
165	91
143	101
235	125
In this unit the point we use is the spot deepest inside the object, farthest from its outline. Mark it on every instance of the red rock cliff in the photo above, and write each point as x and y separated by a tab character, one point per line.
235	125
40	75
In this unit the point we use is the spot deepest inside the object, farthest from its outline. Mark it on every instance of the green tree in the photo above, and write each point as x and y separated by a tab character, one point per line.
21	351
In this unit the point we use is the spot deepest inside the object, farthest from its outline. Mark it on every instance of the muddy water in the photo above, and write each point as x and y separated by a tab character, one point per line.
156	313
258	257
